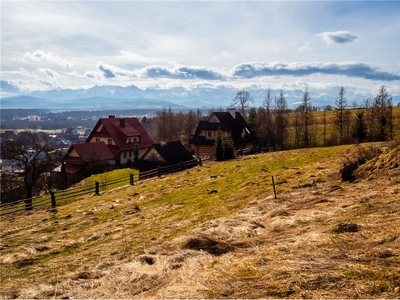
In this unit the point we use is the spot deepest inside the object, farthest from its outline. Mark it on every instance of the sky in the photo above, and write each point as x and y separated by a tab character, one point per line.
288	45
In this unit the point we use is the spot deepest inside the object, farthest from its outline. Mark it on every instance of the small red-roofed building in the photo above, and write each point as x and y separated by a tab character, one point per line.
88	157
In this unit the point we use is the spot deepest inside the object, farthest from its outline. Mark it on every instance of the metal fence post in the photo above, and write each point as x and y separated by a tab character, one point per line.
200	162
131	179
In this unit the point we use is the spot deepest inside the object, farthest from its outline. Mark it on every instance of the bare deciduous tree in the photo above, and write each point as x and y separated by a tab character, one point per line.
382	111
41	158
242	100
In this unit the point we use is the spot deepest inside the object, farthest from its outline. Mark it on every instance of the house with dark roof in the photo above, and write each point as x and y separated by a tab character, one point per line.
164	154
230	124
116	137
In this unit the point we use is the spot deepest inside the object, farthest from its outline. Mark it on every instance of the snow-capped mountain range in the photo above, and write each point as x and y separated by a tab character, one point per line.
132	97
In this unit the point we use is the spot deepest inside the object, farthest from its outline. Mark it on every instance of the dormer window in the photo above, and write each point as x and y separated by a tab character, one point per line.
131	140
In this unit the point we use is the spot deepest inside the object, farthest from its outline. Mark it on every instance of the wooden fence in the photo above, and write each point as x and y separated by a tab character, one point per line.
57	198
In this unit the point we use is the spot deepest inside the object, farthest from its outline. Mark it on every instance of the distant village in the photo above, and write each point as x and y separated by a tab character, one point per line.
114	142
69	146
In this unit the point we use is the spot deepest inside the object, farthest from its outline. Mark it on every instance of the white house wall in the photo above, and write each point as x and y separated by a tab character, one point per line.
130	155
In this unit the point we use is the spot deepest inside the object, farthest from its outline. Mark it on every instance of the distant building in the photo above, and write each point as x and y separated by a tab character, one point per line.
81	158
230	124
10	167
164	154
9	135
121	136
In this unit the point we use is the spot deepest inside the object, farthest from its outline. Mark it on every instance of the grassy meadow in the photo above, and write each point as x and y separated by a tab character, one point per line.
217	231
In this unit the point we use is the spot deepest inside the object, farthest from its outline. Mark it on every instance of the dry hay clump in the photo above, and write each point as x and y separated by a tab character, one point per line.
207	244
388	160
356	157
361	153
346	227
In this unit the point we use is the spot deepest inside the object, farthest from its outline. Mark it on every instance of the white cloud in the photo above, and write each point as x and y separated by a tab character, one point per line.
110	71
48	73
297	69
306	47
337	37
40	55
135	58
223	54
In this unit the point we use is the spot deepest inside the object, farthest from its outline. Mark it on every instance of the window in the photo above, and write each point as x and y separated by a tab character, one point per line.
209	133
129	140
109	141
124	154
130	153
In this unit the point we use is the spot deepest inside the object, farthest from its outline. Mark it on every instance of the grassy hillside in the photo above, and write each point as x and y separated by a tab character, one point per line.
217	232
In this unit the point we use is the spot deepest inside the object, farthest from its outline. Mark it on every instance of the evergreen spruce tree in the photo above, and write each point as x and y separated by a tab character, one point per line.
359	128
219	147
229	149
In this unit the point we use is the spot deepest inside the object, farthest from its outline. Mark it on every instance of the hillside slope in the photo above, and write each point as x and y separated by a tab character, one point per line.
218	232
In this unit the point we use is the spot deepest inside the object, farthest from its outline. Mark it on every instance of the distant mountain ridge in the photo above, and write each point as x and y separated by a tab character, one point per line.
132	97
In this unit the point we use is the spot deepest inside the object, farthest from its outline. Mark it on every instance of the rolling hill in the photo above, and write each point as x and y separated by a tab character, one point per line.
217	231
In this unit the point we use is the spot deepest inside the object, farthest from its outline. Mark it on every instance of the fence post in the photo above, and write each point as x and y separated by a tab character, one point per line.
200	162
273	184
97	186
131	179
28	204
53	199
159	171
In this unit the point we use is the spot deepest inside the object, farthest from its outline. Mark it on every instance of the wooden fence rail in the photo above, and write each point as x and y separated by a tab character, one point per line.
57	198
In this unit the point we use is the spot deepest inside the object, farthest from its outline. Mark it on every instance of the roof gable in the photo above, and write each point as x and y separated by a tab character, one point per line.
172	153
238	128
119	129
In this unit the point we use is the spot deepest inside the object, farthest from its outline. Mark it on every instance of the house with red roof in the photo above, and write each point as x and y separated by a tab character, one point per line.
113	140
84	158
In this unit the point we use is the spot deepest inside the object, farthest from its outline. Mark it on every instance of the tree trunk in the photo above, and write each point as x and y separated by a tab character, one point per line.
28	200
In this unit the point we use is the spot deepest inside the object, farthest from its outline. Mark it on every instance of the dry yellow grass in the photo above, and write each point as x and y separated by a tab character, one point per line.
218	232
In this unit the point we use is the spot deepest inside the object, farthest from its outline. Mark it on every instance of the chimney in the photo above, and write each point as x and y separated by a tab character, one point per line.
111	116
122	122
232	111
